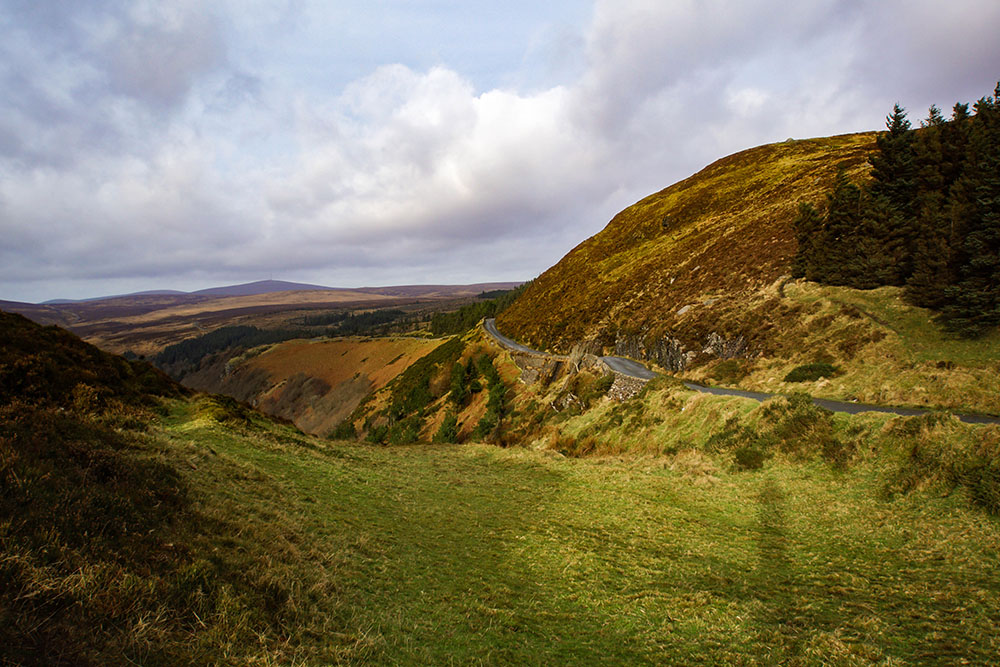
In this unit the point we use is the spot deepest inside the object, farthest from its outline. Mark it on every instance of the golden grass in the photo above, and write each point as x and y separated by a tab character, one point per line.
728	232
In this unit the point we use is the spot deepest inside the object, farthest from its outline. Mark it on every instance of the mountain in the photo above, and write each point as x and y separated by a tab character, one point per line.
152	292
260	287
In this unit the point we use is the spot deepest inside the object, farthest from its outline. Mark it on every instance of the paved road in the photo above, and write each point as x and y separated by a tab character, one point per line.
634	369
491	328
628	367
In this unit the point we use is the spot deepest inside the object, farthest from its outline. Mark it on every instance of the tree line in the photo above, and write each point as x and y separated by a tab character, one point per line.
491	304
927	220
346	323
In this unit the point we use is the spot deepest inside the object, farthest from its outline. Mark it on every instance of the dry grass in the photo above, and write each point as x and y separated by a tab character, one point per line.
728	234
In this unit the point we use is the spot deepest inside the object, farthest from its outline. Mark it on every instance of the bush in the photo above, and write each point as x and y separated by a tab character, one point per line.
448	431
405	432
935	450
730	371
810	372
345	431
749	457
791	425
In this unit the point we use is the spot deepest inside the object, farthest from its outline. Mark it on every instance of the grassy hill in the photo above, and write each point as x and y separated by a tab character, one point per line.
723	234
695	279
139	524
314	383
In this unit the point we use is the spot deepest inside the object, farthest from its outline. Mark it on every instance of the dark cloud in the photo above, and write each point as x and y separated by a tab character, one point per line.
158	58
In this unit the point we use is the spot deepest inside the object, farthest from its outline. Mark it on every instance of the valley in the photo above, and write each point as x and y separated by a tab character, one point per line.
376	476
144	324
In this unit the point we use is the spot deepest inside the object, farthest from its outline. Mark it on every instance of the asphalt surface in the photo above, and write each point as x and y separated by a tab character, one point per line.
634	369
628	367
491	328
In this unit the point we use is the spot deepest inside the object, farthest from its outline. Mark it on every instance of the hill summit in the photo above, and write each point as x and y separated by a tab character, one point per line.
716	237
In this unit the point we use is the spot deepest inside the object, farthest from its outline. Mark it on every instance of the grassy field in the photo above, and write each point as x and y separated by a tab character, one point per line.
474	554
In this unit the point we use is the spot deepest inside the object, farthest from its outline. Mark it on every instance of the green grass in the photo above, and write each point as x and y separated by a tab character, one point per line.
918	332
476	554
242	541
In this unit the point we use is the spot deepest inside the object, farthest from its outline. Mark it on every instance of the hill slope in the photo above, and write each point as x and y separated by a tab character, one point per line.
723	233
314	383
170	530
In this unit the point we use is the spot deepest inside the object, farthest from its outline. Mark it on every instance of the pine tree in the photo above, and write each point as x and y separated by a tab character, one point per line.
837	258
974	300
894	174
941	155
809	233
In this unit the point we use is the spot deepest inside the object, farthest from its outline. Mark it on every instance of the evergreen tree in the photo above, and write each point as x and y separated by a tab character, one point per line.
808	225
931	248
459	384
448	431
894	174
974	300
893	165
941	155
838	260
880	252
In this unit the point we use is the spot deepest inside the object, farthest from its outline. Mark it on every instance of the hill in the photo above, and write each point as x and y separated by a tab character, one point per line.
156	528
695	280
315	384
145	323
260	287
718	236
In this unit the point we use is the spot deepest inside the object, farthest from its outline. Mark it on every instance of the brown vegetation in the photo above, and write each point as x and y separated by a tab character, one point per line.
315	384
716	237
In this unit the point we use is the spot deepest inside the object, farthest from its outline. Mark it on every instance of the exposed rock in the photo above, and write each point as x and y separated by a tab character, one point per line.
625	387
669	353
725	348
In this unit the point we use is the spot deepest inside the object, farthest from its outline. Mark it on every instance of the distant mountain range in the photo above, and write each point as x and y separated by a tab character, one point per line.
272	286
144	322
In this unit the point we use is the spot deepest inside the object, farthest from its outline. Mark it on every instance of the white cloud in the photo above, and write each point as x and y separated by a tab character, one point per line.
163	139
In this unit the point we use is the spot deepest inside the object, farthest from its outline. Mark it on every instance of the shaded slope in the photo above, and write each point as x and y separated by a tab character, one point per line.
50	366
723	233
314	383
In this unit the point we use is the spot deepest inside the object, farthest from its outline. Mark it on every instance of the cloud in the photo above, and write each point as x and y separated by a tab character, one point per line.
155	143
156	53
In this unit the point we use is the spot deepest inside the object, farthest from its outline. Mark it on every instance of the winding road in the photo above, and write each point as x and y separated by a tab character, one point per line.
634	369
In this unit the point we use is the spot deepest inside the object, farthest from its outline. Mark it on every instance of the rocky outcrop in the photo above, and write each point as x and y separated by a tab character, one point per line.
725	348
669	353
625	387
672	355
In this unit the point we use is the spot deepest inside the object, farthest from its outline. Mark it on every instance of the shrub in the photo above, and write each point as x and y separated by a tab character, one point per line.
749	457
345	431
935	450
448	431
730	371
405	432
810	372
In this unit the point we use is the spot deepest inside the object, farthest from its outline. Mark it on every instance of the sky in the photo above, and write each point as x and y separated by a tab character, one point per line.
189	144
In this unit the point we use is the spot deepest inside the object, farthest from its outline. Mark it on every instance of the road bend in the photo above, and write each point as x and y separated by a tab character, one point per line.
634	369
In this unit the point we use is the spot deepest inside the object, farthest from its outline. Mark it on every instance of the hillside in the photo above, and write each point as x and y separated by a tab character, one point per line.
315	384
716	237
145	323
695	280
160	529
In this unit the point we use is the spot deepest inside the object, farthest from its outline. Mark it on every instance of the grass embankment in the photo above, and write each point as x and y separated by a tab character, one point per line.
467	554
883	350
278	548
